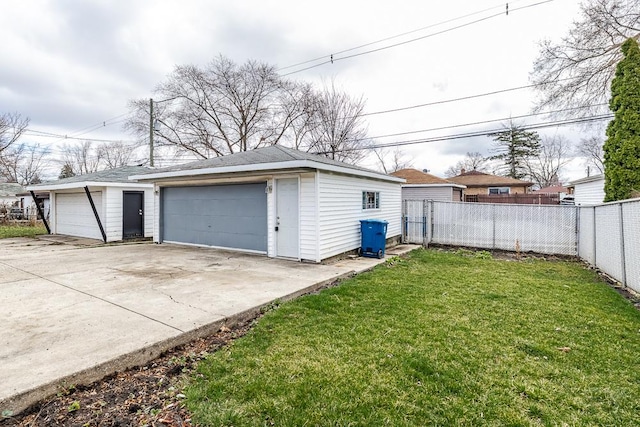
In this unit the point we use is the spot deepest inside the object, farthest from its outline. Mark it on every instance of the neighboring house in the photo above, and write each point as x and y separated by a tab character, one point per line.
423	186
104	205
589	190
9	194
274	201
14	199
480	184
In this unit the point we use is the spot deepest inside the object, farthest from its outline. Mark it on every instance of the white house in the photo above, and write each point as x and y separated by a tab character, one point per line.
104	205
274	201
589	190
424	186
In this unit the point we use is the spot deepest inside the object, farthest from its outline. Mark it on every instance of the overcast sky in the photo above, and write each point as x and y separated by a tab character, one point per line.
72	64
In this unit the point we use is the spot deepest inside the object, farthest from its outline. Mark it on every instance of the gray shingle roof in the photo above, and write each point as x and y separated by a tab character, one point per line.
111	175
9	189
272	154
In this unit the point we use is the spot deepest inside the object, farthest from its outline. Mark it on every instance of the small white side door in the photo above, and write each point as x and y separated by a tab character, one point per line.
287	224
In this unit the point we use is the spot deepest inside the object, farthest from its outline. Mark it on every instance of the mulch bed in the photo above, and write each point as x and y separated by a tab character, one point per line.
149	395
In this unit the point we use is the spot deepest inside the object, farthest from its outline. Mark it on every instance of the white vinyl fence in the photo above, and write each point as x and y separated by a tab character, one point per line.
606	236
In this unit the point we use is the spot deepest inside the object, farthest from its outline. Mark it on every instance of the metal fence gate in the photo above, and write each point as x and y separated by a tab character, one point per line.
606	236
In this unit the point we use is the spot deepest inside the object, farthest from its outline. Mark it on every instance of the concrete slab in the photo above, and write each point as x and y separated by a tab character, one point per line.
75	311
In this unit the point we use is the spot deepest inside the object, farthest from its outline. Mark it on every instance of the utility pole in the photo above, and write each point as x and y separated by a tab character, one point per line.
151	132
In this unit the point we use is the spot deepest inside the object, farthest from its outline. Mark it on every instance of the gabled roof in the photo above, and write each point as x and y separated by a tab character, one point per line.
274	157
10	189
101	178
480	179
415	177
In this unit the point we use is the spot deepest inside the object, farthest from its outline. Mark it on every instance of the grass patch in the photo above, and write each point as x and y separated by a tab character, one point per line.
437	339
8	231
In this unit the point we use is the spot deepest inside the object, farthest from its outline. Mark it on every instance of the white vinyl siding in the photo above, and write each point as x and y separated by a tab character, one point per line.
589	193
440	194
340	210
308	225
114	209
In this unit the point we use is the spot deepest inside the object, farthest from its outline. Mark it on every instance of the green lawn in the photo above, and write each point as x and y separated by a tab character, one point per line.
436	339
7	231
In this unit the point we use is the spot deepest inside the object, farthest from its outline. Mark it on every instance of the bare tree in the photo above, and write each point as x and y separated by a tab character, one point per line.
392	160
12	126
339	131
116	154
591	149
220	109
300	100
577	71
545	168
226	108
82	158
473	161
23	163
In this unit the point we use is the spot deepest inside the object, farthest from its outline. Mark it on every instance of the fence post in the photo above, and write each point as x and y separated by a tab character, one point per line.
425	241
622	257
577	231
431	220
595	248
405	231
493	246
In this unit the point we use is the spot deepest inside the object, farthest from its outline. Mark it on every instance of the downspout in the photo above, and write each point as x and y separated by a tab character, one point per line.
95	212
40	211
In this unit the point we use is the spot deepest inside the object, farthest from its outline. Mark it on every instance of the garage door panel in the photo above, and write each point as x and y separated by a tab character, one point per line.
232	216
74	216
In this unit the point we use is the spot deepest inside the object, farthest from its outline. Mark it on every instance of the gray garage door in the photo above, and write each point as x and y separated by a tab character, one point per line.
228	216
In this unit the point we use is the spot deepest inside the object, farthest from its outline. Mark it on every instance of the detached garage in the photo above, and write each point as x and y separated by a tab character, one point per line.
274	201
104	205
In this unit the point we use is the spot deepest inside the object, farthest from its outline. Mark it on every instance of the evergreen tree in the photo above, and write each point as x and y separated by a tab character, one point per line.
513	147
66	172
622	147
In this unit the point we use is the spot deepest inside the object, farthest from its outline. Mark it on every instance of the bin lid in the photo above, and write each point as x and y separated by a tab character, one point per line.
377	221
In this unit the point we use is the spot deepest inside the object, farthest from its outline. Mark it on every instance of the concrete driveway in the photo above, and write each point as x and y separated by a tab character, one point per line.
75	311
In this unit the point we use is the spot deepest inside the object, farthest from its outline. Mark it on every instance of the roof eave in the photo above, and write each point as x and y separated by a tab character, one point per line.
81	184
293	164
434	185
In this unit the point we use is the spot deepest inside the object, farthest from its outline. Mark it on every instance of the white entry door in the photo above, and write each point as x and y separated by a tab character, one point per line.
287	217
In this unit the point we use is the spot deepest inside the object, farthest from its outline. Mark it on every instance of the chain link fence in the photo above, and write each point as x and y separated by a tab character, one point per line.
538	228
610	240
606	236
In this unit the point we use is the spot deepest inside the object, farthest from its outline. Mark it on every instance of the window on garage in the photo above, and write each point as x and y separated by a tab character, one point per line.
370	200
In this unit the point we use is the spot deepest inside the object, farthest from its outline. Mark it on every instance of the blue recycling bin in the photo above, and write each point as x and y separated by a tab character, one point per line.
374	237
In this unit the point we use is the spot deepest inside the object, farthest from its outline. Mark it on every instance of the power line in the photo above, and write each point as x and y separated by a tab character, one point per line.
445	101
540	125
333	58
91	128
43	134
522	116
328	56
